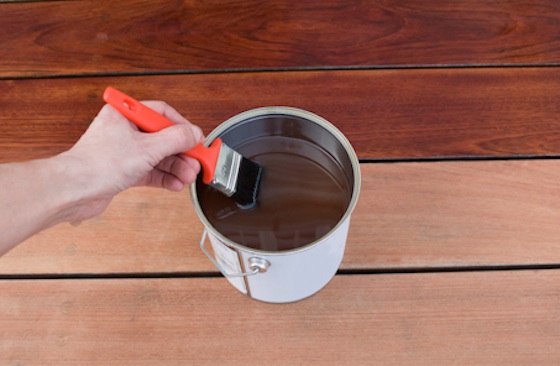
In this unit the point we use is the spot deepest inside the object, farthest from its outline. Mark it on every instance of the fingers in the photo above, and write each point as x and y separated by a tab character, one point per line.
166	110
175	139
172	173
158	154
159	179
169	112
167	142
180	166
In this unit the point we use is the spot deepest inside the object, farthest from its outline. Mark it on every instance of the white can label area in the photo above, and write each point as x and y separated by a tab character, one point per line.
229	261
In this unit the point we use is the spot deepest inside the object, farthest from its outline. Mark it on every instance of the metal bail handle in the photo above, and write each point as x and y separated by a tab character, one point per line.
256	264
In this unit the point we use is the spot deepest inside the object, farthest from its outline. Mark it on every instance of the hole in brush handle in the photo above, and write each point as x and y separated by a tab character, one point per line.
142	116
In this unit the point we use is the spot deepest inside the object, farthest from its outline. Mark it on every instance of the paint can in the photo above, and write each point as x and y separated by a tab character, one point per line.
292	243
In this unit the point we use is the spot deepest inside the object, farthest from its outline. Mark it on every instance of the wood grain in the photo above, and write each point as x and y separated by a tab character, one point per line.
457	214
386	114
403	80
410	216
422	319
134	36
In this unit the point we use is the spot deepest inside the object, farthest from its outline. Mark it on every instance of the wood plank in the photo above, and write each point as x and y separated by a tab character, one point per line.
457	214
88	37
410	216
386	114
483	318
145	230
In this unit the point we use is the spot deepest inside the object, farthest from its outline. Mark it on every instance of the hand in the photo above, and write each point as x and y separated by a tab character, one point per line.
79	184
117	155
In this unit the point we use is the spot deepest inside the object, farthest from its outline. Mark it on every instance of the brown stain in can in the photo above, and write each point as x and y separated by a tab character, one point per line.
304	194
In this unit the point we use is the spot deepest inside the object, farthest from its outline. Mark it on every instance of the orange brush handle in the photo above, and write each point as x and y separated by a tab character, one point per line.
150	121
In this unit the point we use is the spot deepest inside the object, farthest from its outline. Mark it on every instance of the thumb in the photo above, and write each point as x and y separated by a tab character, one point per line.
172	141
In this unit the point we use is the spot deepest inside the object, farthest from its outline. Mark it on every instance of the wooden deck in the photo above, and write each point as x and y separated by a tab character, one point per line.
453	255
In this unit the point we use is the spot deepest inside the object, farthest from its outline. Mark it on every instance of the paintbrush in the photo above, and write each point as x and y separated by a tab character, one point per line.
222	167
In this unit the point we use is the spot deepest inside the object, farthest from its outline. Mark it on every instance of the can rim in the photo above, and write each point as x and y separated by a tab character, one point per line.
289	111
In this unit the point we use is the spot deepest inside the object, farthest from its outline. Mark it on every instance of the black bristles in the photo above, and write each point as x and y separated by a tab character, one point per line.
248	183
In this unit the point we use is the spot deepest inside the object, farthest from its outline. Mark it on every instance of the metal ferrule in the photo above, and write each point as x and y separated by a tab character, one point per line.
227	170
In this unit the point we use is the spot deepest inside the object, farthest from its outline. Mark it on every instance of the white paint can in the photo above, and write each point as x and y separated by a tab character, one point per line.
262	264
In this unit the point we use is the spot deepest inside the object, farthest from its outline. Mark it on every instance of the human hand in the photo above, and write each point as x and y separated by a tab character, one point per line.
117	155
79	184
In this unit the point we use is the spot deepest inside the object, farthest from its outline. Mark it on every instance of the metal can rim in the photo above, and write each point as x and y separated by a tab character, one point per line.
289	111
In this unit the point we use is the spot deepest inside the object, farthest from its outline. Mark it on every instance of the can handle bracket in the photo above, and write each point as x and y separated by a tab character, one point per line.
256	264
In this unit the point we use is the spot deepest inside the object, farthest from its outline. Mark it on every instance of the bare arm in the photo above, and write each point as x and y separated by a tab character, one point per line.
80	183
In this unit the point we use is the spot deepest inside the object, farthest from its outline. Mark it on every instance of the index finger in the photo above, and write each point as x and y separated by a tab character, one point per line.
171	113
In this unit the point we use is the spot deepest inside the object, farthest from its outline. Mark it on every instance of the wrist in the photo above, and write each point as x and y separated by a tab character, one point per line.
59	190
35	196
75	198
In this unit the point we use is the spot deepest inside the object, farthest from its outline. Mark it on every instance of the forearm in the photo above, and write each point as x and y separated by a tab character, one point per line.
34	195
80	183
